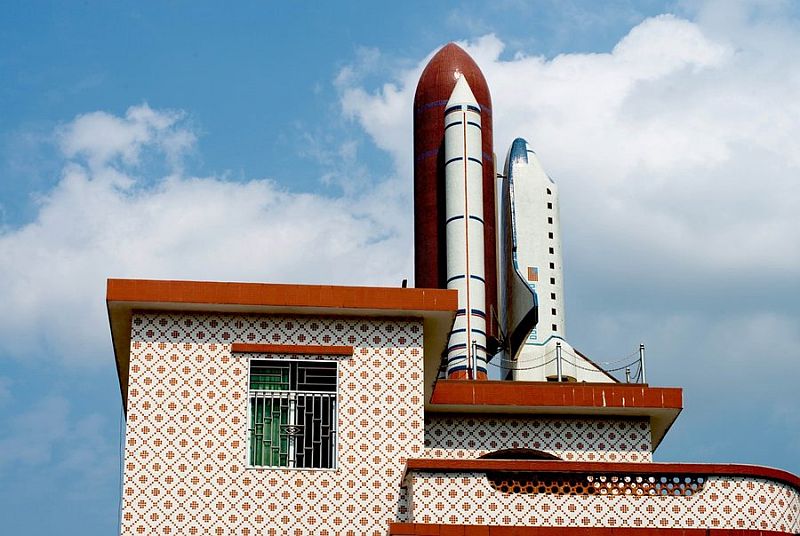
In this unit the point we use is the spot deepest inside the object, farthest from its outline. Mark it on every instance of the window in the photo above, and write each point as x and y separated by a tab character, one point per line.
549	205
552	250
552	295
552	266
549	220
292	413
549	192
555	327
552	280
549	235
553	312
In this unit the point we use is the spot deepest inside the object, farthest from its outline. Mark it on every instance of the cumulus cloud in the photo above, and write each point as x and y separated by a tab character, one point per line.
666	143
102	221
101	138
677	155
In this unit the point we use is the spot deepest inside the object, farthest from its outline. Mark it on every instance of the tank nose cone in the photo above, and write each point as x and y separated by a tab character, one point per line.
439	77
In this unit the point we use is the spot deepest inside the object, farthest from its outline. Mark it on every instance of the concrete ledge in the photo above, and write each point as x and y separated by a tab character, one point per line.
661	404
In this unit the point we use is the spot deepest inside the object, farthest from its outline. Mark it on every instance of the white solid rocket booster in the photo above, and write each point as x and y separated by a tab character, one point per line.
466	349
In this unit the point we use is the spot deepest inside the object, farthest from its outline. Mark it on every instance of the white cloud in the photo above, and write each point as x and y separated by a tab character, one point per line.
100	137
668	145
100	222
677	155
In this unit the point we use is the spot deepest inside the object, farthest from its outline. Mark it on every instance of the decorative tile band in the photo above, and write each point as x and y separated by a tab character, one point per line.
573	439
722	503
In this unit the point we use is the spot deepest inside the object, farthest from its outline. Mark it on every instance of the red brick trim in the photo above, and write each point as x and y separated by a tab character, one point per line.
553	466
264	294
314	349
545	394
430	529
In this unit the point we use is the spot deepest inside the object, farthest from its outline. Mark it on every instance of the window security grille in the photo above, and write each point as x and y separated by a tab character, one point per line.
293	414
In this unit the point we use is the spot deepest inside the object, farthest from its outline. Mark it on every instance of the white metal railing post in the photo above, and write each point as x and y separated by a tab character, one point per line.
558	361
291	400
641	363
627	374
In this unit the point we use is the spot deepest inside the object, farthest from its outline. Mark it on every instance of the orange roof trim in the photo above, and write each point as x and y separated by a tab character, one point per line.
590	395
280	295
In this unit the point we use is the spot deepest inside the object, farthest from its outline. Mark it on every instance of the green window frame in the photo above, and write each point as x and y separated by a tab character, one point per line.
292	413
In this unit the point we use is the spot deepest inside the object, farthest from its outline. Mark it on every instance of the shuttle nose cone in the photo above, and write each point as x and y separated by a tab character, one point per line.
518	152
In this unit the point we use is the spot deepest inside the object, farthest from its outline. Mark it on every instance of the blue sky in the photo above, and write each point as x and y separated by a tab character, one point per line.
268	142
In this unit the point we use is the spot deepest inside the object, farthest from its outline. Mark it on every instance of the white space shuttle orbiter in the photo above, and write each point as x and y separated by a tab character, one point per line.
531	250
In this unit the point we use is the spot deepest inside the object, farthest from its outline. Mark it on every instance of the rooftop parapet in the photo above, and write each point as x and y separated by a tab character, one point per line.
546	497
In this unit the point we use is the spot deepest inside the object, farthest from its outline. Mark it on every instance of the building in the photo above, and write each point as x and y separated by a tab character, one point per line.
298	409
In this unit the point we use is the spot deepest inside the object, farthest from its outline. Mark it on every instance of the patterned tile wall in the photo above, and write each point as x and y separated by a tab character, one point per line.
723	503
572	439
186	445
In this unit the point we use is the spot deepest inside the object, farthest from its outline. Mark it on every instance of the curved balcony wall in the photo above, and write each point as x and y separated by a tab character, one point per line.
563	494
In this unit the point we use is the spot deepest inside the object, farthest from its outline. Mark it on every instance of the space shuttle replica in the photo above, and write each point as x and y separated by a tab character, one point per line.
494	237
